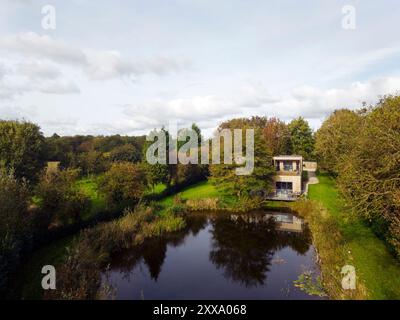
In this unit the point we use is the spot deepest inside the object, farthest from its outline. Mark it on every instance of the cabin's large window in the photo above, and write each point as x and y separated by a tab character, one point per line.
288	165
284	187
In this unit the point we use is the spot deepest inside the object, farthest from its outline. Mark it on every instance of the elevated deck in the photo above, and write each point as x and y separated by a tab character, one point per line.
280	196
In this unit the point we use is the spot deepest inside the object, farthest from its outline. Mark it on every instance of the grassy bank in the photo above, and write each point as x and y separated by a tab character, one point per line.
200	190
28	282
376	268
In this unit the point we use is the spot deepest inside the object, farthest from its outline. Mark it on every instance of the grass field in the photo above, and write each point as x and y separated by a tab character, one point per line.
199	190
90	187
374	264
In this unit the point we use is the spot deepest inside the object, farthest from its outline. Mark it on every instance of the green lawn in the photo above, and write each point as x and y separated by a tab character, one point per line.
159	188
199	190
90	187
373	262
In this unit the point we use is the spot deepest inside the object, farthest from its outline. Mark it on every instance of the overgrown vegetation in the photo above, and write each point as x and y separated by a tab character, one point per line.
363	150
61	203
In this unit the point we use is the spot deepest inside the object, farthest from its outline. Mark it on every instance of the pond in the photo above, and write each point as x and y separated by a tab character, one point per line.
254	255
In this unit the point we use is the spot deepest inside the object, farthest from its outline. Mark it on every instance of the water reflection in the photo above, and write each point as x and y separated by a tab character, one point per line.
227	249
153	251
243	245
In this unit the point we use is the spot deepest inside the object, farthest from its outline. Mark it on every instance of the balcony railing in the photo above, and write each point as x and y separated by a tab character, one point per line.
283	195
288	173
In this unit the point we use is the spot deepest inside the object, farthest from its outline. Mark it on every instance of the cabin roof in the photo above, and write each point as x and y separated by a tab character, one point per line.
288	157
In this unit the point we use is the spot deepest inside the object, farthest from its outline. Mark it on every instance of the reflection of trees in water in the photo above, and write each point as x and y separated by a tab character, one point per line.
243	247
194	224
154	256
153	251
298	241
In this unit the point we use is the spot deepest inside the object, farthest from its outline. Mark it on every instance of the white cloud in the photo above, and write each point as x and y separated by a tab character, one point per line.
9	112
3	71
31	44
56	87
307	63
312	102
362	62
99	65
307	101
31	75
36	69
9	91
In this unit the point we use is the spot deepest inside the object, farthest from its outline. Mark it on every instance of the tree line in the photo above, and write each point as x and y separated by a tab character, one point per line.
361	149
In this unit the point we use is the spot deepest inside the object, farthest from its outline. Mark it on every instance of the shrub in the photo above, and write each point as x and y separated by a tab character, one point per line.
202	204
165	224
178	206
76	280
123	185
61	201
248	203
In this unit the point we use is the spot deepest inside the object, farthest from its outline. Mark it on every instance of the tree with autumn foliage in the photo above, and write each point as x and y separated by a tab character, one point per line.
277	137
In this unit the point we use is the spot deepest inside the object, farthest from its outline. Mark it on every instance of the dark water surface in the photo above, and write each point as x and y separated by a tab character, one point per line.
255	255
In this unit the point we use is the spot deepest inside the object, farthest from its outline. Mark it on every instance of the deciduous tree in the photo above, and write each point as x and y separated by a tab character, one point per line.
277	137
21	148
123	184
337	138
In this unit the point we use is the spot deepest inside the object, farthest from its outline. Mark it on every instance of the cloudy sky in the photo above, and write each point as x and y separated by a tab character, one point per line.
129	66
